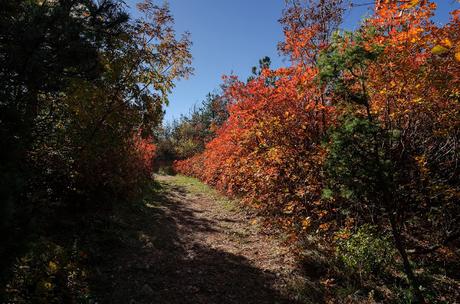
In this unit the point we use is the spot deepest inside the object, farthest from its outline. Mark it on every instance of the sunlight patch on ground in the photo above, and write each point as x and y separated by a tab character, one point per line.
197	187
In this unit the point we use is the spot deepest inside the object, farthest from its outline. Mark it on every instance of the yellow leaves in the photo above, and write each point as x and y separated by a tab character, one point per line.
447	43
289	209
53	267
412	3
422	164
47	285
417	100
414	34
439	50
306	223
60	125
276	156
444	47
457	56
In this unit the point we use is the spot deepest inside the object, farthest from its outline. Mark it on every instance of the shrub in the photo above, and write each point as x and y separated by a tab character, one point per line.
49	273
365	251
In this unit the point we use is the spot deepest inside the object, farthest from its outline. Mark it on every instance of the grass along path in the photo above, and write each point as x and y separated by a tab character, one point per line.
187	244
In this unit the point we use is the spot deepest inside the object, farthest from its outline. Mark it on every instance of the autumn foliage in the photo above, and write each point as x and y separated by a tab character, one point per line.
363	127
79	81
145	150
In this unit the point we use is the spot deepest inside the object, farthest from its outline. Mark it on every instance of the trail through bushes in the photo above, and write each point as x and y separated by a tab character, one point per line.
361	129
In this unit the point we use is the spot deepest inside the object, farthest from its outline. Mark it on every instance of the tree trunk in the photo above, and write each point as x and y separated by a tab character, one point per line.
406	264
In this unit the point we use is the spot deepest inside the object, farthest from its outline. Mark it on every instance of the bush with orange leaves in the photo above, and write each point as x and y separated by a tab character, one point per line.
269	151
145	151
386	93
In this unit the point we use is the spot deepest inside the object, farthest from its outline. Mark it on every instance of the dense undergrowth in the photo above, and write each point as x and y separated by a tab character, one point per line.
352	151
82	86
355	145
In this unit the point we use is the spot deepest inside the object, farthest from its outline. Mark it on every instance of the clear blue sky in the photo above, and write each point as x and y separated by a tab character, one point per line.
230	36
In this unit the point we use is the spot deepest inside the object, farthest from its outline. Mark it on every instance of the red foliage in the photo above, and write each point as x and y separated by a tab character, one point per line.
269	151
145	152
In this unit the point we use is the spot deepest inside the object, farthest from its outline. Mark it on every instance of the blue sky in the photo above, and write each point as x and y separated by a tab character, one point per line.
230	36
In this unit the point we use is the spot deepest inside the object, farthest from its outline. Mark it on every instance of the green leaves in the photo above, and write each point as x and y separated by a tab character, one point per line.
343	65
80	84
366	251
357	166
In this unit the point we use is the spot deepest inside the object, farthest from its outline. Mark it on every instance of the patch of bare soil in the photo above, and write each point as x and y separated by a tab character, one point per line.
184	247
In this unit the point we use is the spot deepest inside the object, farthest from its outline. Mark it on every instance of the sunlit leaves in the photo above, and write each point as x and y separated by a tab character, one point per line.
412	3
439	49
363	126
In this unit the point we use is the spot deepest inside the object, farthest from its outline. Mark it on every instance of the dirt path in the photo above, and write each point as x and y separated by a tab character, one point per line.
185	246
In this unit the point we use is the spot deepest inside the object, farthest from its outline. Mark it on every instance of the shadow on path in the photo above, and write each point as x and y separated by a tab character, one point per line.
150	255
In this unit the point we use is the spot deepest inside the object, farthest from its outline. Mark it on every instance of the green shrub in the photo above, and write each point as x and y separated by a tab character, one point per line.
365	251
49	273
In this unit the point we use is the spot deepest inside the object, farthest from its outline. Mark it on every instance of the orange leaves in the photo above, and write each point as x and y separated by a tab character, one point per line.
457	54
417	54
447	43
343	234
422	164
145	150
446	46
261	152
412	3
306	223
269	152
325	226
289	209
443	47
